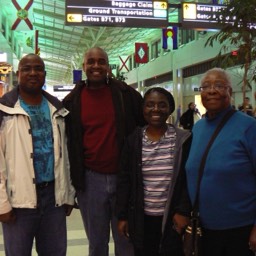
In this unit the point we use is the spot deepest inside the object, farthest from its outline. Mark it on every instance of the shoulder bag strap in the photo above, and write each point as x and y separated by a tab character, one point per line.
202	164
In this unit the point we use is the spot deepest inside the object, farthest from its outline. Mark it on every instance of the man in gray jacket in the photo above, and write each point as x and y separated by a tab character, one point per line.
35	187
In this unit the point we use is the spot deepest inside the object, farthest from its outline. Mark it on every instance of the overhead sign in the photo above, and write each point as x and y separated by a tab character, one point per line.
150	14
196	15
63	88
206	16
74	18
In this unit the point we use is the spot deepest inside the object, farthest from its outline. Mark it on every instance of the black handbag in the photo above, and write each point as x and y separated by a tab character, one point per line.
192	239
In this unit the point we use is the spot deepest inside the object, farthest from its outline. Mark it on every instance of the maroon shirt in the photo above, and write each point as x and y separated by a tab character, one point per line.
99	139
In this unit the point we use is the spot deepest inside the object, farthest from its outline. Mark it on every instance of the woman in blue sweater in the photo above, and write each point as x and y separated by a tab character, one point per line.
227	199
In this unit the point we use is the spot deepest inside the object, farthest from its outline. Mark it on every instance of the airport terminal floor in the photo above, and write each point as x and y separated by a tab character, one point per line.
77	241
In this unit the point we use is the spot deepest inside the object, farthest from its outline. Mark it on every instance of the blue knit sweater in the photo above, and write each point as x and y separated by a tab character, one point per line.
228	187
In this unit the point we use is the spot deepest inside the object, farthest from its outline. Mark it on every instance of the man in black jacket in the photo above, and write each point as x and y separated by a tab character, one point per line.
103	112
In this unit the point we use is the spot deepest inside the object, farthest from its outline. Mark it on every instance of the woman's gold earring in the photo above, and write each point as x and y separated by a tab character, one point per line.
107	79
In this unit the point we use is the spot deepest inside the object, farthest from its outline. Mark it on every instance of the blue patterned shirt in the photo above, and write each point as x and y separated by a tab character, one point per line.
40	120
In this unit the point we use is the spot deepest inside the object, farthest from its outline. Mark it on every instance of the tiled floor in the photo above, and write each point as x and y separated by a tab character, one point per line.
77	242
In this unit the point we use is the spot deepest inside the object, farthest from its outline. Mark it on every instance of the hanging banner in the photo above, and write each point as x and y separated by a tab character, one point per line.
170	38
124	64
77	75
141	52
22	21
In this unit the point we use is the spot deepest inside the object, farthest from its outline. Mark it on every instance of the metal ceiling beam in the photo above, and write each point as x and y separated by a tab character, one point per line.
54	29
52	15
63	40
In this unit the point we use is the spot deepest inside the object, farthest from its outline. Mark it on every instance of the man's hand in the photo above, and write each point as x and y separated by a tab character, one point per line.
68	209
8	217
252	239
122	227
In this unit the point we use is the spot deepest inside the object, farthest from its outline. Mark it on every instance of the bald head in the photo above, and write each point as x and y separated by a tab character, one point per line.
98	50
31	78
30	56
96	67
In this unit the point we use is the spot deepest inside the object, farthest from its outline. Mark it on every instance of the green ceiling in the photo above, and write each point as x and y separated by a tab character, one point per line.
62	46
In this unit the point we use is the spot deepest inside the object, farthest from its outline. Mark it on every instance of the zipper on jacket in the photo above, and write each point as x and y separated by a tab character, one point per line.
58	126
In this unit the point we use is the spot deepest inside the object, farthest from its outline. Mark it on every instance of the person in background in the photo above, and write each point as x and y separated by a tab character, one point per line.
254	112
103	111
152	200
246	107
190	117
178	114
227	199
35	186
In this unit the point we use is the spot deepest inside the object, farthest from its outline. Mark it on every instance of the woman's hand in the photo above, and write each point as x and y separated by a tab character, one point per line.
180	222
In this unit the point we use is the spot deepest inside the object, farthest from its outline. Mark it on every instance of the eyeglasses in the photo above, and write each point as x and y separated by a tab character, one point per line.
220	87
152	105
28	69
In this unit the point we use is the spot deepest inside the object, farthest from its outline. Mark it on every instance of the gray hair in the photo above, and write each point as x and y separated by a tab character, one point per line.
218	70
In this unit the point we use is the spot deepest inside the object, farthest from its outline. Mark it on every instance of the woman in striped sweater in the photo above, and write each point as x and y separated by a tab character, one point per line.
152	200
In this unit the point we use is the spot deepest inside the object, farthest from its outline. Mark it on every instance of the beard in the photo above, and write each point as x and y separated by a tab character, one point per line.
31	89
